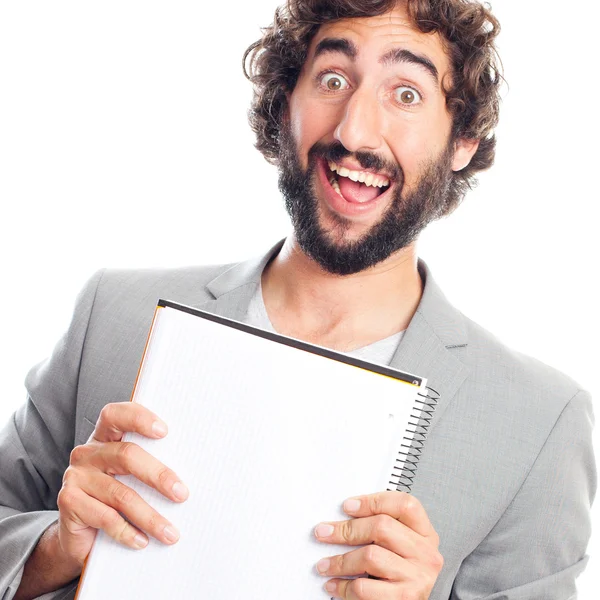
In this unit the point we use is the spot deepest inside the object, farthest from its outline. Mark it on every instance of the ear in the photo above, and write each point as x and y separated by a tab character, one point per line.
464	149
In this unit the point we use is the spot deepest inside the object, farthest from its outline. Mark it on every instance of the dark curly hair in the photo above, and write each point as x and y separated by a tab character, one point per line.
467	29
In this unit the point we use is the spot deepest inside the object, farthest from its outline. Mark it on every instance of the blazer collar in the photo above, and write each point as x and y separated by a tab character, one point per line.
234	288
431	344
435	338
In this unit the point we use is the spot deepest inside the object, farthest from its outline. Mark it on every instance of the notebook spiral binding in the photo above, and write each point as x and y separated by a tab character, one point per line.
403	474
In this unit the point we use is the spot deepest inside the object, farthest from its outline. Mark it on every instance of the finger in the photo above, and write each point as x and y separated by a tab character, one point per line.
371	560
119	417
127	501
127	458
363	589
399	505
79	508
383	530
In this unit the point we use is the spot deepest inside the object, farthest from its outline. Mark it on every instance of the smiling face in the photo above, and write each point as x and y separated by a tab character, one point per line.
368	104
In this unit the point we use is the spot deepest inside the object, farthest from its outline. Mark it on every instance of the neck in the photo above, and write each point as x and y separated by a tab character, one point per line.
341	312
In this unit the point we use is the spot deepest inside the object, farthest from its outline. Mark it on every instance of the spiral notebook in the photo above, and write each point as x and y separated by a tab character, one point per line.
271	435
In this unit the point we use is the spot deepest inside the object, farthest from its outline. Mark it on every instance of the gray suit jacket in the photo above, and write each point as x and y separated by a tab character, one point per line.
507	475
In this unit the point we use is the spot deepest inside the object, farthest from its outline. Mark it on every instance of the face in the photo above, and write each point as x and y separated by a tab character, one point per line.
369	104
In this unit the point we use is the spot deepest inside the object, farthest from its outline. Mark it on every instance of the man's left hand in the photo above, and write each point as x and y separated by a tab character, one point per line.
401	552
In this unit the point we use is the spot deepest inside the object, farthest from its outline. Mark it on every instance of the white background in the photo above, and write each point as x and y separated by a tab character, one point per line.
124	142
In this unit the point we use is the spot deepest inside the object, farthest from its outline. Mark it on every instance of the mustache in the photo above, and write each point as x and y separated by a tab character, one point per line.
367	160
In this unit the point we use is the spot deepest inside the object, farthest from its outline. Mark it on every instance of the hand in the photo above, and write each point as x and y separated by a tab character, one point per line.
402	551
91	498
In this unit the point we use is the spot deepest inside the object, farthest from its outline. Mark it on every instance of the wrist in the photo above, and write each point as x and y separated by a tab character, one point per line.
48	568
68	565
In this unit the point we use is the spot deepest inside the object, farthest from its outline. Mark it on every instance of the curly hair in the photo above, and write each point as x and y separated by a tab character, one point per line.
467	28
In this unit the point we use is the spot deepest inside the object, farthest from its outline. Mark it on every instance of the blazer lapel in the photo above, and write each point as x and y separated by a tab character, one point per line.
430	344
233	289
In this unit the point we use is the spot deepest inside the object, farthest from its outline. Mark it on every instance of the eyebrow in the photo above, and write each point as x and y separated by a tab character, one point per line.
401	55
341	45
393	56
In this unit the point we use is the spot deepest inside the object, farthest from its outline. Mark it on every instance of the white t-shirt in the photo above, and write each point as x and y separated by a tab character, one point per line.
379	352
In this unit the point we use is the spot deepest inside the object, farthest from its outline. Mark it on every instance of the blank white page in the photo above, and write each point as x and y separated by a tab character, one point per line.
270	439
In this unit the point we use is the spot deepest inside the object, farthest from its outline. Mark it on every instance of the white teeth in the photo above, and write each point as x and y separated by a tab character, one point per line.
336	186
362	176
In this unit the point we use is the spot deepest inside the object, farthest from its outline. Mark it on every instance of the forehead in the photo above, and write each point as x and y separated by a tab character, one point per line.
374	36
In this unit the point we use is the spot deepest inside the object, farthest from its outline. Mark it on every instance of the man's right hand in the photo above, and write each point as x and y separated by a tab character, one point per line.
91	498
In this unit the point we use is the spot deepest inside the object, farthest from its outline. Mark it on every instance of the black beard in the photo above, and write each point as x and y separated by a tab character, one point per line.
400	225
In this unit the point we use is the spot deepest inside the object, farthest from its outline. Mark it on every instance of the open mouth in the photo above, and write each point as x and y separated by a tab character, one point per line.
356	186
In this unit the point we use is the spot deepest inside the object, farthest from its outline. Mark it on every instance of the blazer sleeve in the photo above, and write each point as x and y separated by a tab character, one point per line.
538	547
35	446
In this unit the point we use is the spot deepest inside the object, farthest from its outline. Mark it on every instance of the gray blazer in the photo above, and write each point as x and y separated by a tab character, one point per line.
507	475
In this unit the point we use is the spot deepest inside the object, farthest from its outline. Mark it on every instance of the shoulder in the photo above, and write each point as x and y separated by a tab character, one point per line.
504	364
122	299
190	281
121	302
515	387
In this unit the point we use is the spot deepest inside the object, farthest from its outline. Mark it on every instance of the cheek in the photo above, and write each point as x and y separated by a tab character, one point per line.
311	122
301	134
411	148
418	142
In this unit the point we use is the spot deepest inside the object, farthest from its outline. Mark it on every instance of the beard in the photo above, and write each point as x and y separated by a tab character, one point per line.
400	225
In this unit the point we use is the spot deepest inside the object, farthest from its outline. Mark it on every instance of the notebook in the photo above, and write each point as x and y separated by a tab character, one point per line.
271	435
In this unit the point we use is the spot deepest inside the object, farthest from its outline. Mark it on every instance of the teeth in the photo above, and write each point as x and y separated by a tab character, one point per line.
367	178
335	185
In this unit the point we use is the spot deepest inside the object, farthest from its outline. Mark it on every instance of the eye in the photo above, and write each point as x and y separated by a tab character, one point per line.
407	96
333	82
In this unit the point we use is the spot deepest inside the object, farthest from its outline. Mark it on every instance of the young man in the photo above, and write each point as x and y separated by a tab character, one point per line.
377	114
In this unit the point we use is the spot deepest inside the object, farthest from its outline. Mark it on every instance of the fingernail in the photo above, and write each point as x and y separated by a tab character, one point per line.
141	541
180	491
324	530
323	565
159	428
170	533
351	505
330	586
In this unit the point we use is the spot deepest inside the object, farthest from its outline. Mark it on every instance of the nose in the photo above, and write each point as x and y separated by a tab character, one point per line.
360	125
